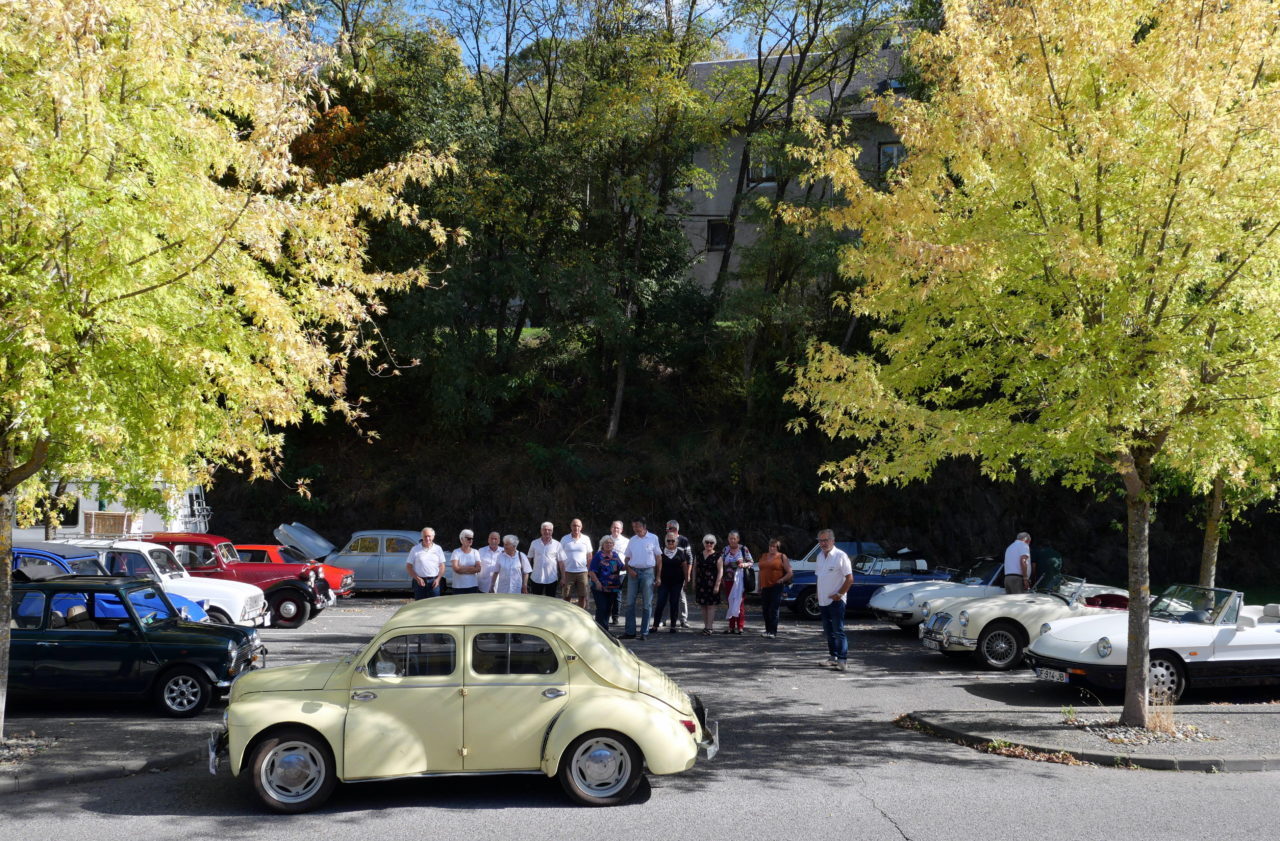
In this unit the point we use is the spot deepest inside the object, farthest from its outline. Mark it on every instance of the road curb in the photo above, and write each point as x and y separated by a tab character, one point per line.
1202	764
17	781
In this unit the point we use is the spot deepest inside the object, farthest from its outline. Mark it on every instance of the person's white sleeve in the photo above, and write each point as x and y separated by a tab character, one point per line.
525	566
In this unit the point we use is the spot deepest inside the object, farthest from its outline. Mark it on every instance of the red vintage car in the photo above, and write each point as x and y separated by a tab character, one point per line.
342	581
295	592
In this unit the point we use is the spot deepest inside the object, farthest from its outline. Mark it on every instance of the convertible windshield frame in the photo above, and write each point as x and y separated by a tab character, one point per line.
1193	604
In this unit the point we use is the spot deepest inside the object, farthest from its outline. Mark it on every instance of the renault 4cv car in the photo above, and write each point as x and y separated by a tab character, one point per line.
96	636
471	684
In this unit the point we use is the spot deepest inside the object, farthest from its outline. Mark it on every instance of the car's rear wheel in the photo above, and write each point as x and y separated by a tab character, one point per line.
1167	678
807	604
291	771
601	768
1000	646
183	692
219	616
288	609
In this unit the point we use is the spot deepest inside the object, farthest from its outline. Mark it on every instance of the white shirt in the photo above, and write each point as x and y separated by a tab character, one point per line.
1013	557
462	580
577	553
511	571
831	571
620	546
643	552
427	563
546	559
488	565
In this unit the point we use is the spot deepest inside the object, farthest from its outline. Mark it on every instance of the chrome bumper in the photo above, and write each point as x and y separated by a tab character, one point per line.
710	744
217	746
945	641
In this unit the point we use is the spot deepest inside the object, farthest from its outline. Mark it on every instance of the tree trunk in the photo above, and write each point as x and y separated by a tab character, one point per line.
1212	536
1135	469
8	504
619	389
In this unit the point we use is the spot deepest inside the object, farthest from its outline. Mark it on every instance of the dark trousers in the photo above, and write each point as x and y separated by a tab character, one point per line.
462	591
833	627
426	591
771	602
552	589
606	604
668	594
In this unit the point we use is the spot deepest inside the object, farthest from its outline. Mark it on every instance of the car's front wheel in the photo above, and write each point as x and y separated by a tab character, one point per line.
1000	646
601	768
291	771
218	616
183	692
288	609
1167	678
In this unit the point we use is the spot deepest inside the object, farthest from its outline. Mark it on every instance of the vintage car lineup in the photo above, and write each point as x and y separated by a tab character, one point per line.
172	618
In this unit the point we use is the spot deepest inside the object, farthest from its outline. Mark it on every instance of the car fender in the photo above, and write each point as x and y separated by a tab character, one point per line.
169	665
253	718
666	745
290	584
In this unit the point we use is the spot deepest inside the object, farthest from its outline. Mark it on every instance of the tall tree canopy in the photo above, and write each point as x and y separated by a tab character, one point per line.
1075	268
173	288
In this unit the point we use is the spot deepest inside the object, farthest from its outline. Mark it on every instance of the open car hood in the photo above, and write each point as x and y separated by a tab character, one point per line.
304	540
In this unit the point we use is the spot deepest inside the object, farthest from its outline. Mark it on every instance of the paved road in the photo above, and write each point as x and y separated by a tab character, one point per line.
806	754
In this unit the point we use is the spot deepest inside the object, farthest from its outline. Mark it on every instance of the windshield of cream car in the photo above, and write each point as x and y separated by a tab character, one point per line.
1188	603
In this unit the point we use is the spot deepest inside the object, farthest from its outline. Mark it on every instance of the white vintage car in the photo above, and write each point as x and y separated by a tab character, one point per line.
998	628
473	684
903	603
1200	637
229	602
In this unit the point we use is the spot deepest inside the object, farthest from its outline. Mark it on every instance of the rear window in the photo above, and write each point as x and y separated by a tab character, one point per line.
399	545
512	654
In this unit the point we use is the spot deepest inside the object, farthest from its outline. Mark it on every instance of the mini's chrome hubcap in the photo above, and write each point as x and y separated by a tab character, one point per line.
182	693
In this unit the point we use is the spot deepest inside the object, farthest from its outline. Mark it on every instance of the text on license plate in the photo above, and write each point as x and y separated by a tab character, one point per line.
932	644
1052	675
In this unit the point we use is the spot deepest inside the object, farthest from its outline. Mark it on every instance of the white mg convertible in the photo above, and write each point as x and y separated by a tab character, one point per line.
1200	637
903	603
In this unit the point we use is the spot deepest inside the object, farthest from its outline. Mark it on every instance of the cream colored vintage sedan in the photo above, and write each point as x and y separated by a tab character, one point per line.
470	684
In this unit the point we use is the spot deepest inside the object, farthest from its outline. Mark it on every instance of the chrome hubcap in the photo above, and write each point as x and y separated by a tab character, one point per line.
287	609
1164	681
293	771
1000	648
601	767
182	693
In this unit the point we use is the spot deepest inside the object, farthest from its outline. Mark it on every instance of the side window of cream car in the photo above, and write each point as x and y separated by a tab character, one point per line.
512	654
415	655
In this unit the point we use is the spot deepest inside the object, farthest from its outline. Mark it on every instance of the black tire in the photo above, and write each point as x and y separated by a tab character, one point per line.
1168	678
601	768
183	692
289	609
218	616
907	627
290	771
1001	646
946	653
807	604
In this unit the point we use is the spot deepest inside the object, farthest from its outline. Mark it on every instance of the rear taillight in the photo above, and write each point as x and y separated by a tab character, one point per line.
689	725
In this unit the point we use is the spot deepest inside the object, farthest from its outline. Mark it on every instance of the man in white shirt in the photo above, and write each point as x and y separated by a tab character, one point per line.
577	555
643	550
835	576
620	546
425	566
547	557
489	562
1017	564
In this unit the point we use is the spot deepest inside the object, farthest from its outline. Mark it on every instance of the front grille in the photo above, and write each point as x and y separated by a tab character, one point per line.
253	606
243	656
938	621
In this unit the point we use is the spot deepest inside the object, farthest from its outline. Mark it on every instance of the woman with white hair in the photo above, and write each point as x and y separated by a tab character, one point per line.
708	570
465	561
512	570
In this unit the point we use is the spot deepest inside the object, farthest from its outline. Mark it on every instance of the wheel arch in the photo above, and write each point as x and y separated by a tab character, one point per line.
170	665
665	746
238	757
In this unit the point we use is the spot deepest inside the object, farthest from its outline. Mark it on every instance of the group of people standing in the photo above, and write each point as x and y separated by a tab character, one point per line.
644	574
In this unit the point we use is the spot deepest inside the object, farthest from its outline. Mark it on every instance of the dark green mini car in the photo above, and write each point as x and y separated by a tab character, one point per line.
93	636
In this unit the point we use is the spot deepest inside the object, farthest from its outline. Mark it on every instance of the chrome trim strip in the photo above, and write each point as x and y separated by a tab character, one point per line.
439	774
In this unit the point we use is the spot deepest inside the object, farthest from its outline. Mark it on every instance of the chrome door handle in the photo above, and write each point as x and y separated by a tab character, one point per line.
553	693
45	644
363	696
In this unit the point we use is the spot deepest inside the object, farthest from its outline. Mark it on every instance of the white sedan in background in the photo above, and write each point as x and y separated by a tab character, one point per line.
1200	637
998	628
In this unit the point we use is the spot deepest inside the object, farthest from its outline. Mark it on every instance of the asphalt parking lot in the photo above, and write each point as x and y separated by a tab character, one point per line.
804	750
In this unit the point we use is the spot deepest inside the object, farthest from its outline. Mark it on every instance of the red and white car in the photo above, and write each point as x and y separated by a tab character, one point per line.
341	581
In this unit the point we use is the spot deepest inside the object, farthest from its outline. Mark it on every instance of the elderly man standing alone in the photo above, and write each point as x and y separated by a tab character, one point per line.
1017	564
425	565
835	577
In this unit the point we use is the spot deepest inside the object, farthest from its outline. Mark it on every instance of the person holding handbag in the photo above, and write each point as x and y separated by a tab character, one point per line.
737	560
775	575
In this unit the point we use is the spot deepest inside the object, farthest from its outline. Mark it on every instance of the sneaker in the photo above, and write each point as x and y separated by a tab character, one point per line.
613	621
672	630
767	635
644	636
828	663
684	624
839	666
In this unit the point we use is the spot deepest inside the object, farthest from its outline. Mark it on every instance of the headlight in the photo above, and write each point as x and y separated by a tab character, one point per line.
1104	647
231	647
911	599
1045	628
254	641
924	610
311	576
963	619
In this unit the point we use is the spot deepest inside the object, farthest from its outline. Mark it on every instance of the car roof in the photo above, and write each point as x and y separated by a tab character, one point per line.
62	550
193	536
415	535
564	619
97	583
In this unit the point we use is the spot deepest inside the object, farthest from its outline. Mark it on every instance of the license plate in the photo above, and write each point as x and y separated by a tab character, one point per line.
1052	675
932	645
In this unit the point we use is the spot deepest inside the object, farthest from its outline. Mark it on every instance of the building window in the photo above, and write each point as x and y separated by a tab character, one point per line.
761	170
891	154
717	234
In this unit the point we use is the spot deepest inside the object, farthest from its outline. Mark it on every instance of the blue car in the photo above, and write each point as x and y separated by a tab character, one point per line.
872	569
61	559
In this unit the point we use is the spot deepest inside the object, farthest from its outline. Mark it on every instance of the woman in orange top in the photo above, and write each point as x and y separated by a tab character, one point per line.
775	575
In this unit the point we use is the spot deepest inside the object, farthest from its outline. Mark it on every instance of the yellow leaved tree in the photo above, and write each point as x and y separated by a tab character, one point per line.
173	289
1075	269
